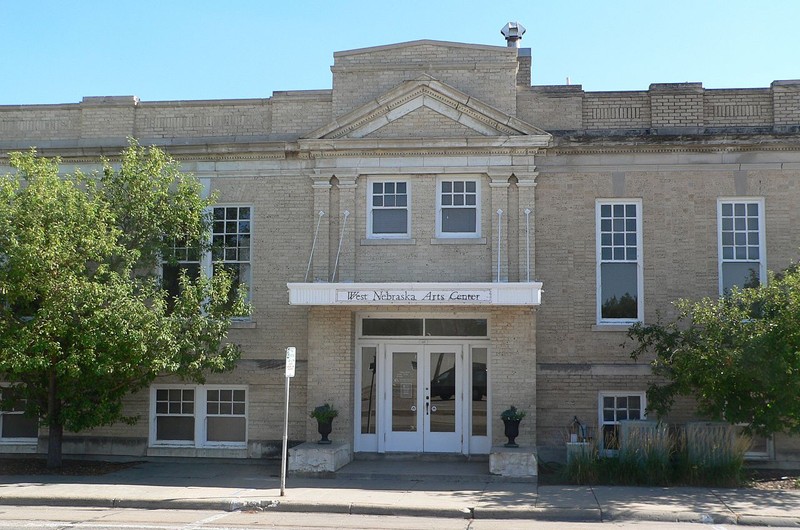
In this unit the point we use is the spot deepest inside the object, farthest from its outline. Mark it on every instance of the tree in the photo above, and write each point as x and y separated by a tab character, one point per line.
85	319
738	356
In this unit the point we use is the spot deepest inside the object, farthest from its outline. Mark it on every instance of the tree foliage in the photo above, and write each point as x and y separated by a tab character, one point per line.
738	356
85	320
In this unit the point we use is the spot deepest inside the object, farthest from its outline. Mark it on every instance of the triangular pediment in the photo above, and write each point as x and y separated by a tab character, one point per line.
424	107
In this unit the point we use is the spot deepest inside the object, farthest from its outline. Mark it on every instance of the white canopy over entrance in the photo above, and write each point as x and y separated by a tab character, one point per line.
411	293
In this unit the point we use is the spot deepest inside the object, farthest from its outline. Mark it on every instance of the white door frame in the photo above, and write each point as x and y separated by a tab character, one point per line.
376	442
412	388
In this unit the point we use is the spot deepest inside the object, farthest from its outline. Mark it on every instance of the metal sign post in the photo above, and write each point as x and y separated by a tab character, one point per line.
291	354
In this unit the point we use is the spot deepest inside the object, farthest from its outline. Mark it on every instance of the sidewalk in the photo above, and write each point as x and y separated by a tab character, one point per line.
212	485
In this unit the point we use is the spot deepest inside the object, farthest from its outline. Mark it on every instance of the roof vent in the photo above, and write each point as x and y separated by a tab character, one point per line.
513	32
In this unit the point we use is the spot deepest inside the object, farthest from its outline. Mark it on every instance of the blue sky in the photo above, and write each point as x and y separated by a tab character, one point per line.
58	51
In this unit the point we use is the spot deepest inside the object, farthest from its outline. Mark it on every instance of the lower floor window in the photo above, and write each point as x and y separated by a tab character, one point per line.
615	407
758	447
14	425
198	415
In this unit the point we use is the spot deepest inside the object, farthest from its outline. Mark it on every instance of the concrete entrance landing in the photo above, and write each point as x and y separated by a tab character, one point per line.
424	468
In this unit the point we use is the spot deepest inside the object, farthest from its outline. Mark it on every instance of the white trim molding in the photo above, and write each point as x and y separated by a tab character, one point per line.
404	294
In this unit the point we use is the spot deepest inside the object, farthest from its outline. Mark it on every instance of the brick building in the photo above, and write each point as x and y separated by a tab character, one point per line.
440	239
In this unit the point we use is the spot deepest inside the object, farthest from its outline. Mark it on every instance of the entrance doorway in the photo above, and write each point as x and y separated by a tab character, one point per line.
422	384
424	398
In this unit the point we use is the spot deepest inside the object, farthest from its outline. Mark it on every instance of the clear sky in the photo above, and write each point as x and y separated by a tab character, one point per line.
57	51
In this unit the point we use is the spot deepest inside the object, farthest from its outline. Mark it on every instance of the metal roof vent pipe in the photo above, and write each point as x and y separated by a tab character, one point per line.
513	32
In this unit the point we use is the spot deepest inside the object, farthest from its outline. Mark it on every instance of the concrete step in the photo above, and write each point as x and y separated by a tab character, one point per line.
424	470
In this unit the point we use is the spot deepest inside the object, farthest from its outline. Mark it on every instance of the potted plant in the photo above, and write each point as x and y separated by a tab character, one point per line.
511	418
324	415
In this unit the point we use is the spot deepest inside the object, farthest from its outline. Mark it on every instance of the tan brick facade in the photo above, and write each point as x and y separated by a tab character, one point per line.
420	114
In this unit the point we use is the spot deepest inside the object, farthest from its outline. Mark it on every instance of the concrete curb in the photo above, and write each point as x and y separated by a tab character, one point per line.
144	504
478	512
768	520
572	515
687	516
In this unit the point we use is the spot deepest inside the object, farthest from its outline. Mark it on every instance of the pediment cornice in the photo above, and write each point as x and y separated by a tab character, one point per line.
434	95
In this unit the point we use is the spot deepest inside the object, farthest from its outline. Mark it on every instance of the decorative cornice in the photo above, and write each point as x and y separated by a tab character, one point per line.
635	149
397	102
377	153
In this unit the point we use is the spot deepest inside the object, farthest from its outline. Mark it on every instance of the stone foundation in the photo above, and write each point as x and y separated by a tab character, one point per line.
314	458
513	462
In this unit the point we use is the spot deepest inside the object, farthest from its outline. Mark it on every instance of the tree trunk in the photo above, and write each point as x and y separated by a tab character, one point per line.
55	426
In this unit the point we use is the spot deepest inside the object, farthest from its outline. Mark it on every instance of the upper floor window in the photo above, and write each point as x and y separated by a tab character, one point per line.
230	243
230	247
387	211
619	261
742	258
187	259
458	212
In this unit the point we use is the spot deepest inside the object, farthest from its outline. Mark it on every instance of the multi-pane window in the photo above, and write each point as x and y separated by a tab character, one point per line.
14	425
174	418
619	261
199	416
388	209
230	243
231	232
741	243
616	407
186	258
458	208
225	415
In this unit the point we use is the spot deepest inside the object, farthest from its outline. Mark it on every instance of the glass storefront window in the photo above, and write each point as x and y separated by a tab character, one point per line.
369	386
428	327
480	381
392	327
455	327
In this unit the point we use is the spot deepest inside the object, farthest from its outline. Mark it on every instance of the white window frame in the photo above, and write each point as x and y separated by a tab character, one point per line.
207	261
601	422
639	263
751	455
200	417
762	239
370	208
439	207
3	413
182	263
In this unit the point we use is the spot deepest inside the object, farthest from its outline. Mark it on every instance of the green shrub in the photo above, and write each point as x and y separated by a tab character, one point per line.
582	465
654	455
714	455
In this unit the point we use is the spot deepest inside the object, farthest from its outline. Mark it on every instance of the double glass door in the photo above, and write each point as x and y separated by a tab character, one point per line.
424	398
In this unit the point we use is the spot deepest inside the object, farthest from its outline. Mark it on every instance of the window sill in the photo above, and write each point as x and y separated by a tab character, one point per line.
381	242
243	324
611	327
458	241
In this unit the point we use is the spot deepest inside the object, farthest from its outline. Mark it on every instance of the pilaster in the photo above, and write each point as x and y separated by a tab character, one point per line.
346	270
322	218
526	186
499	213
